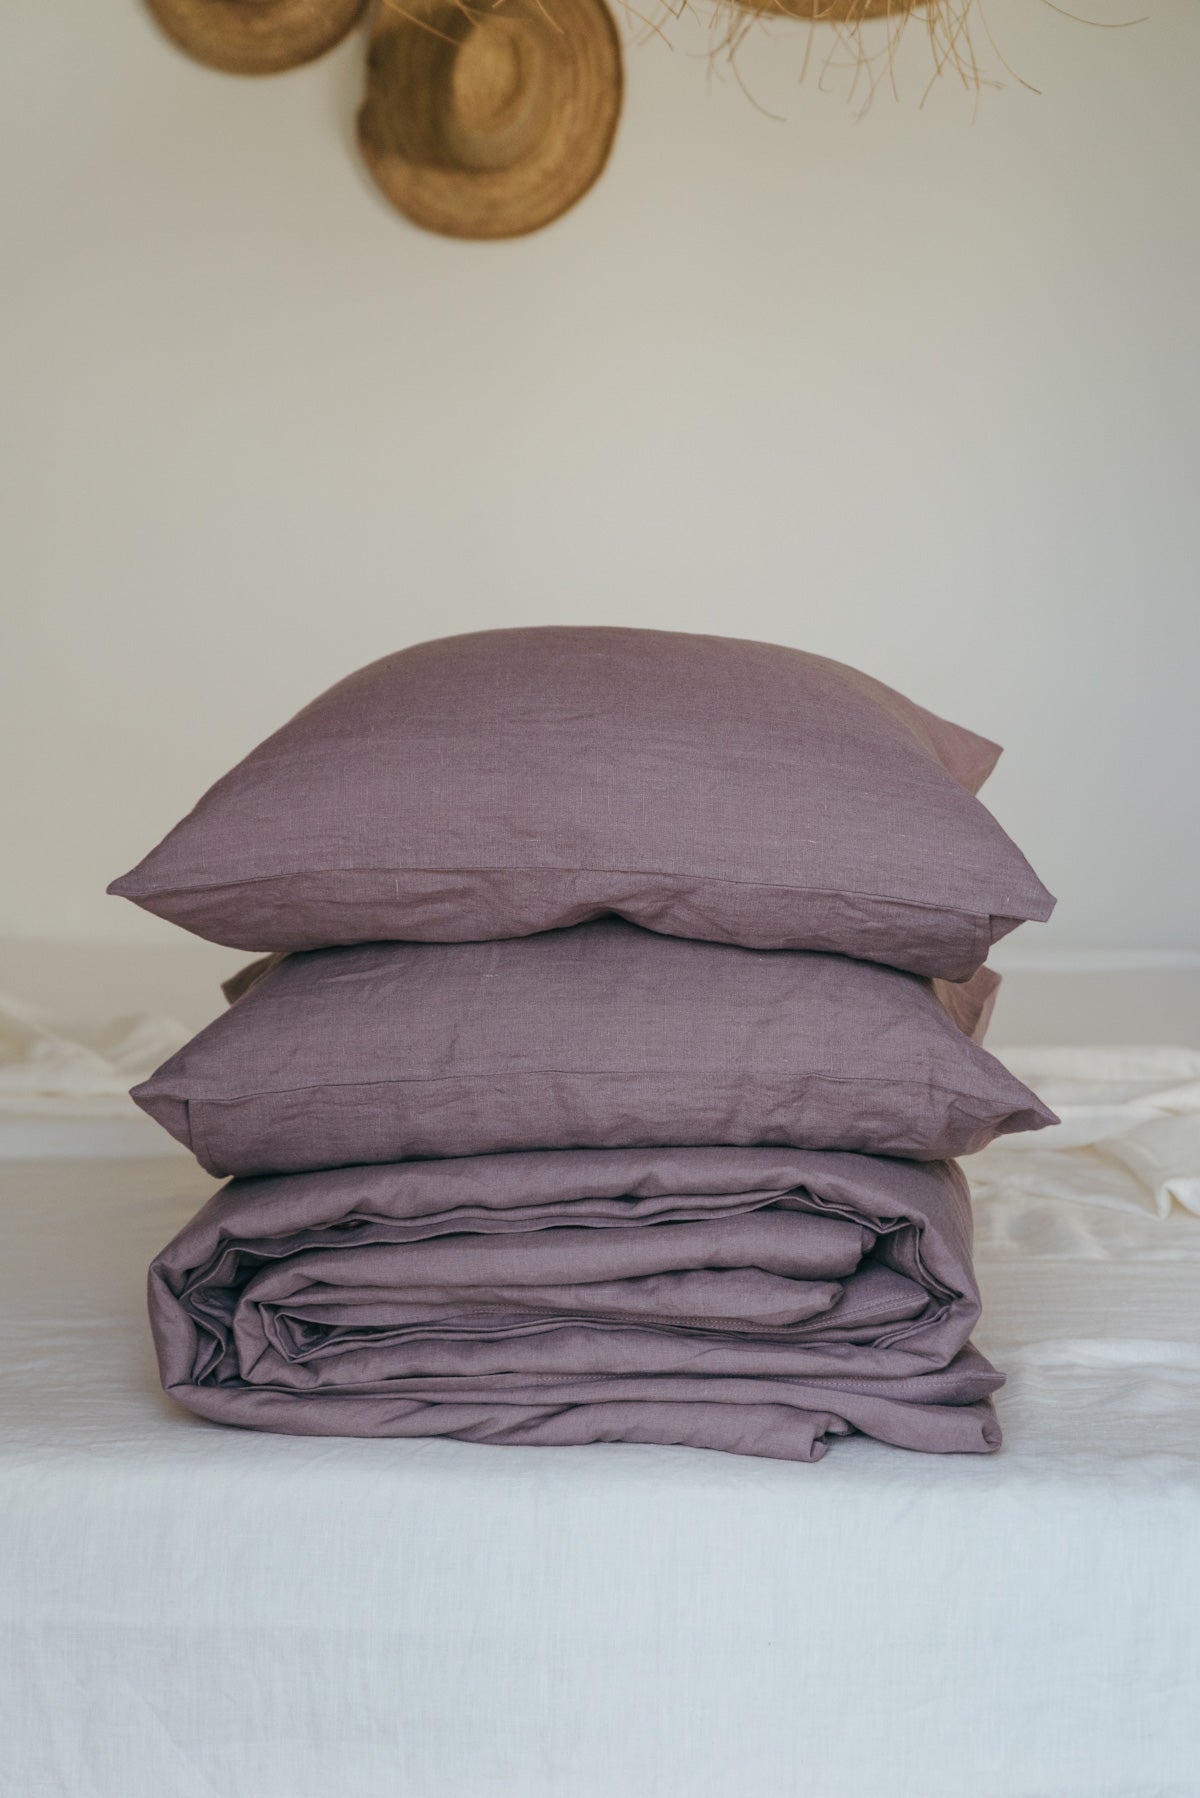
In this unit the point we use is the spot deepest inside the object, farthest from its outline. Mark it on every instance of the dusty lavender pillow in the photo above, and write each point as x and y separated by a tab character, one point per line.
514	781
600	1036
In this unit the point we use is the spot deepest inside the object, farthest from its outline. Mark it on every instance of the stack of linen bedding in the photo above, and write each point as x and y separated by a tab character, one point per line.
619	1030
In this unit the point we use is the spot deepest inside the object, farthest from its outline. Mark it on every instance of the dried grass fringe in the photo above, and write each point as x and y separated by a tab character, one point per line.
855	41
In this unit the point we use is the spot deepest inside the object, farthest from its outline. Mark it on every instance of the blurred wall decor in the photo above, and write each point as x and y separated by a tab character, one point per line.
491	118
491	121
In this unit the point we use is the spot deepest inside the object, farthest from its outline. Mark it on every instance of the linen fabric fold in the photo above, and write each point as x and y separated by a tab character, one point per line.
601	1036
749	1299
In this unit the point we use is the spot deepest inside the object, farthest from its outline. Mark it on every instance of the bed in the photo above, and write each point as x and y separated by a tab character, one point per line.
196	1611
192	1610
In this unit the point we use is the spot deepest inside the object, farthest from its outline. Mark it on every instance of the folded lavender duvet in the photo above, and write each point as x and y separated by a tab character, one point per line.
757	1300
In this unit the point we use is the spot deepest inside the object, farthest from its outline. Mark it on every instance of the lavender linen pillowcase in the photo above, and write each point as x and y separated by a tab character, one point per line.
508	782
601	1036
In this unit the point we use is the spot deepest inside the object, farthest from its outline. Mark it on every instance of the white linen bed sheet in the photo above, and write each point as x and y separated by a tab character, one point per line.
194	1612
64	1089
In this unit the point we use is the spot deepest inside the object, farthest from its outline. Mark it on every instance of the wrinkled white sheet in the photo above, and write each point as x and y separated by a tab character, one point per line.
194	1612
46	1066
1129	1139
64	1089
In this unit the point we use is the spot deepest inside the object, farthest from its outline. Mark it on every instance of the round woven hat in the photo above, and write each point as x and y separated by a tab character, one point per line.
489	120
256	37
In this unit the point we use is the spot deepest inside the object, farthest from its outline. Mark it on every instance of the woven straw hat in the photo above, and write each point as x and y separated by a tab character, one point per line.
489	119
256	37
836	12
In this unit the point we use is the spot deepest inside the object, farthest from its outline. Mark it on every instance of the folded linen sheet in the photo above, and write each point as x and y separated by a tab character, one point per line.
761	1301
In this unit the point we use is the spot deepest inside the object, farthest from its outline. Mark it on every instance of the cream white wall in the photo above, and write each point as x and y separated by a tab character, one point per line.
920	391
